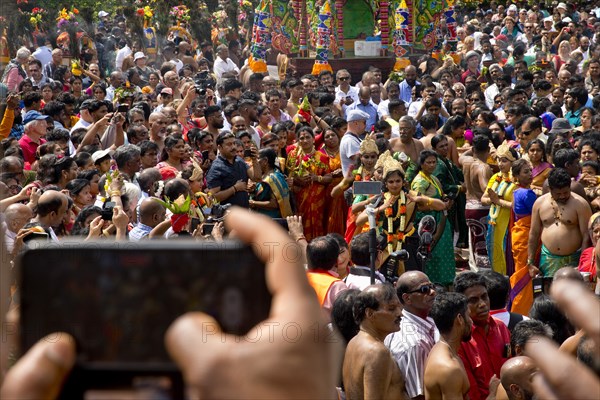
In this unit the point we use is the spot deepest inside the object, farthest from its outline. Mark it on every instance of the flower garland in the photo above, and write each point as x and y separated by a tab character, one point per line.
500	186
389	214
180	14
306	163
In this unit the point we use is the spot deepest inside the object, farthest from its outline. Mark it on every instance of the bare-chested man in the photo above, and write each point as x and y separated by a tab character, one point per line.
429	126
477	175
445	375
369	370
560	218
406	143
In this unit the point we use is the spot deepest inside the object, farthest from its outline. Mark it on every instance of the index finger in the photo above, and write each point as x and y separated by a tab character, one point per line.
293	297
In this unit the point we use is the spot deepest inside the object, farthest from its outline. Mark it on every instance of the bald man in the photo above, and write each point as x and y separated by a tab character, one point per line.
516	375
411	345
51	209
15	217
366	105
152	213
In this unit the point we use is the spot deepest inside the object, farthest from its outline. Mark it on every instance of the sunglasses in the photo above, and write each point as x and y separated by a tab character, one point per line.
425	289
344	78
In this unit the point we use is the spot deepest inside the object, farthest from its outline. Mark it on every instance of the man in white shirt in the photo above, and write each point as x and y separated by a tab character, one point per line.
223	63
411	345
44	51
123	52
345	94
116	81
15	217
360	274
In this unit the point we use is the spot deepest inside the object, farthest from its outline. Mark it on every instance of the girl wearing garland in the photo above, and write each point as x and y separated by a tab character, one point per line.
395	210
311	175
440	267
368	154
499	196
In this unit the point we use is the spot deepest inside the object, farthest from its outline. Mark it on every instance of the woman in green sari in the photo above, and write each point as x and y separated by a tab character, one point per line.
272	195
440	267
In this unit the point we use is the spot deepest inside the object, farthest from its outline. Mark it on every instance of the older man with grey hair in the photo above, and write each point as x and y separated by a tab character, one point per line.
223	63
35	130
14	72
406	143
128	159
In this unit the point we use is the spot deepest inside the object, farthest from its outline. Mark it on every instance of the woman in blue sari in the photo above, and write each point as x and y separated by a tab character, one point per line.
272	195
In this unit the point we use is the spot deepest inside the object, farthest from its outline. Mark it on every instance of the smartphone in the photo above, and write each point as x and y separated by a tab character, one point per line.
205	155
248	153
366	187
487	63
118	299
123	108
207	228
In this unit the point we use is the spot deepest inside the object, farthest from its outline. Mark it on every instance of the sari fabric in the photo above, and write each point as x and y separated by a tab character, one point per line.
335	207
540	174
441	266
310	200
280	189
521	294
498	240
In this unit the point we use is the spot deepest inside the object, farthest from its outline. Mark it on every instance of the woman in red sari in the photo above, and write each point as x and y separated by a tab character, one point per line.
311	175
335	208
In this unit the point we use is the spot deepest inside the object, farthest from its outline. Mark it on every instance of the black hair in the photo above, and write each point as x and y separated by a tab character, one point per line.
580	94
540	143
342	315
53	108
369	299
359	249
429	121
546	310
224	135
437	139
58	135
565	156
146	146
525	330
88	174
322	253
481	143
170	142
594	164
467	280
446	307
76	186
270	155
498	287
79	229
425	154
559	178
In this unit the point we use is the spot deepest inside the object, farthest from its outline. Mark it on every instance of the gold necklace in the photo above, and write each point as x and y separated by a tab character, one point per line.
557	211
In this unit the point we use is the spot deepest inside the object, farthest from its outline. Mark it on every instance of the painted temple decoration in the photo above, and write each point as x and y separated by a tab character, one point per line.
325	29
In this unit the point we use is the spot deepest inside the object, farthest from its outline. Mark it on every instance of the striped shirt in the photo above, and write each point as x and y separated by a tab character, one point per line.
410	347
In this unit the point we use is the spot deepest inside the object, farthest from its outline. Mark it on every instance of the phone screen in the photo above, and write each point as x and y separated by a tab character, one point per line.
118	299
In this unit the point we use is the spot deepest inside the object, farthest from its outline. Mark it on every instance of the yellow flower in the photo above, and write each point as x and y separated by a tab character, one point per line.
33	21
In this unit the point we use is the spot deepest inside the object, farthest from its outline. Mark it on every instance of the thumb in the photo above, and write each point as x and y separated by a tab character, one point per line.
40	373
202	333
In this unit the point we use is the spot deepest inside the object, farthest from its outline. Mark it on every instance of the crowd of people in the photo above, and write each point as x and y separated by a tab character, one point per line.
498	145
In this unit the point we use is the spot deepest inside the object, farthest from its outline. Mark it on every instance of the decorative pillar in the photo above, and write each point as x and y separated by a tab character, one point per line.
323	40
401	36
384	26
339	7
261	35
302	42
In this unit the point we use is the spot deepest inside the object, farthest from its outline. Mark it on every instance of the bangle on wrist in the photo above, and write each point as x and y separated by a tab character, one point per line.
299	238
234	189
115	193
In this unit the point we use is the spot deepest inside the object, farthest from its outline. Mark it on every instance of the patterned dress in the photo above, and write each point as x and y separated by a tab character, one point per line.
310	200
441	267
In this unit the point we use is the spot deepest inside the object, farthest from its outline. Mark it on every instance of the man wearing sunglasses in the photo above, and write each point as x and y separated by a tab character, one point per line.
411	345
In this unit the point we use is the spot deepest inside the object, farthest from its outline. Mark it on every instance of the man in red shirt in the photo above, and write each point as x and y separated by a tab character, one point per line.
488	348
35	130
